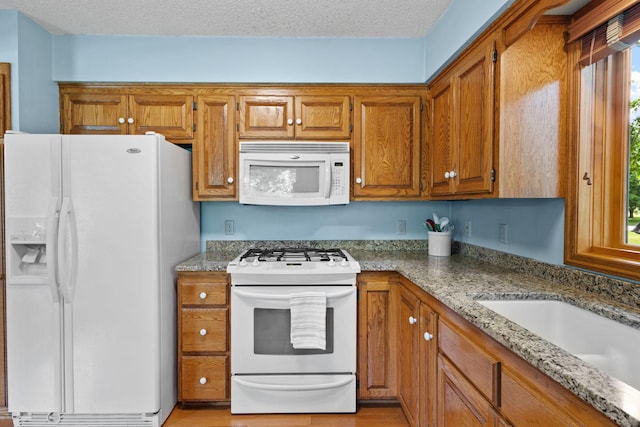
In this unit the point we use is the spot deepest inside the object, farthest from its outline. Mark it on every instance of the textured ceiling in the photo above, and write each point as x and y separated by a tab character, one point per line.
242	18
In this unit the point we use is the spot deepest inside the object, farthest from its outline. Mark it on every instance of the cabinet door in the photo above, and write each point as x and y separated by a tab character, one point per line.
377	336
440	164
168	114
266	117
409	384
459	403
214	151
94	113
323	117
428	365
386	152
473	154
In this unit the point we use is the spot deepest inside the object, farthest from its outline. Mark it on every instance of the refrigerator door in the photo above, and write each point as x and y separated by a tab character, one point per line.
34	341
110	274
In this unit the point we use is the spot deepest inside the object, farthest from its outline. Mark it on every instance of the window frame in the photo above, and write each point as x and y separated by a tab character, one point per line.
599	147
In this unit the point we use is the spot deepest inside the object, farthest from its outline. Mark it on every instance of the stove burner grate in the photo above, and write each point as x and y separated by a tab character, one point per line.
297	254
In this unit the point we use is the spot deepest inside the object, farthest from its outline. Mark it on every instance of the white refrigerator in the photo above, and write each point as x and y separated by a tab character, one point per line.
95	226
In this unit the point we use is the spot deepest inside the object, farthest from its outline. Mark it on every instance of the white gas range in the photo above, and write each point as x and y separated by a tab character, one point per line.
293	331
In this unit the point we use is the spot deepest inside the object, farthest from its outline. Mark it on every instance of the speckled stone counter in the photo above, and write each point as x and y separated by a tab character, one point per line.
477	273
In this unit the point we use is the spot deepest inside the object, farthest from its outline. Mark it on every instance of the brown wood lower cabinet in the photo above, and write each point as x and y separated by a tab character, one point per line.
450	373
203	337
442	369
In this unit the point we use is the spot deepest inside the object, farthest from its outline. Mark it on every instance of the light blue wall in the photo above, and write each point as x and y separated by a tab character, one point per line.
357	220
38	94
216	59
456	28
535	227
34	96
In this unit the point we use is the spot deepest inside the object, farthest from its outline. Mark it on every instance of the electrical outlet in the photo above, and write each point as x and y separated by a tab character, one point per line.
402	226
467	229
228	226
504	233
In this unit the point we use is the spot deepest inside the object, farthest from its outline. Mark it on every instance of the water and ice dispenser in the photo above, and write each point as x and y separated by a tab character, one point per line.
27	257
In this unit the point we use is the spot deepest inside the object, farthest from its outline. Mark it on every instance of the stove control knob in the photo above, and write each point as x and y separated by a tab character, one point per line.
344	263
255	262
331	263
243	263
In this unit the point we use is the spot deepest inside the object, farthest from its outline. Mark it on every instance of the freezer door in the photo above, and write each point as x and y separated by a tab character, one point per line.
110	273
34	355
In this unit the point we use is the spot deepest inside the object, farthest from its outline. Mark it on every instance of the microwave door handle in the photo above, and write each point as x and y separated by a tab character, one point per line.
286	297
327	181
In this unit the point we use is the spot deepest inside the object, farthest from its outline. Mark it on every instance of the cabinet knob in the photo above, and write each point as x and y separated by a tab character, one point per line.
130	120
358	180
203	295
203	332
290	122
298	121
412	320
428	336
446	175
203	380
230	180
121	120
453	174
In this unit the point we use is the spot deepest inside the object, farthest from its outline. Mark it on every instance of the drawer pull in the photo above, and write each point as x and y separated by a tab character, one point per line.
203	295
203	332
203	380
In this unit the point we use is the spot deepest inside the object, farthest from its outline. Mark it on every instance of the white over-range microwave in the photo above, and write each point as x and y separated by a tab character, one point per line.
294	173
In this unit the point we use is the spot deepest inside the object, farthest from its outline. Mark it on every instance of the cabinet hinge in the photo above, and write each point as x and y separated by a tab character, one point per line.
350	106
196	185
421	106
195	106
351	127
194	127
237	127
237	106
493	174
495	55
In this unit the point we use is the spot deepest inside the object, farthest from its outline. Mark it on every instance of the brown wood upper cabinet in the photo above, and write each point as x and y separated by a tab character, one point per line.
215	150
386	147
461	131
295	117
518	152
127	111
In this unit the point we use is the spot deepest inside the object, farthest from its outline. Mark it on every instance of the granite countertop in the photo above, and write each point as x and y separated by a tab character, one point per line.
477	273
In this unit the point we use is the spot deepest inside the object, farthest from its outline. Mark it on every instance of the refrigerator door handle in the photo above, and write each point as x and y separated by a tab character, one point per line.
53	214
67	249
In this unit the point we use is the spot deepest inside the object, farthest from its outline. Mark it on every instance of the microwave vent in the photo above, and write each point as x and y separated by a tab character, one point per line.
288	147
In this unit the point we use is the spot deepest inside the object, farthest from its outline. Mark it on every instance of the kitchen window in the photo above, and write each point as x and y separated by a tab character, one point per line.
605	139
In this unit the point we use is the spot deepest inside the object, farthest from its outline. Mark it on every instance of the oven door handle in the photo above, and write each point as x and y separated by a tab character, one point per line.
286	297
294	387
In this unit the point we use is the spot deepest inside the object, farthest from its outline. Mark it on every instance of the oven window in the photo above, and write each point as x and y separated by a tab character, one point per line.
272	329
283	181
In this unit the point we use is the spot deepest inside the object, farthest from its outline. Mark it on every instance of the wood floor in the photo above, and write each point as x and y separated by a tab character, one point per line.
367	416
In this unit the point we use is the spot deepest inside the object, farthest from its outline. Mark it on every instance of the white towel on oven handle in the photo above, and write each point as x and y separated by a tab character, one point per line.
308	320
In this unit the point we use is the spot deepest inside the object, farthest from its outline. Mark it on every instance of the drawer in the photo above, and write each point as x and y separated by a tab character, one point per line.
204	378
204	330
482	369
199	291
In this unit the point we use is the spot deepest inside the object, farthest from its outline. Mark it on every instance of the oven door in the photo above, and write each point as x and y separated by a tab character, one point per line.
261	326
